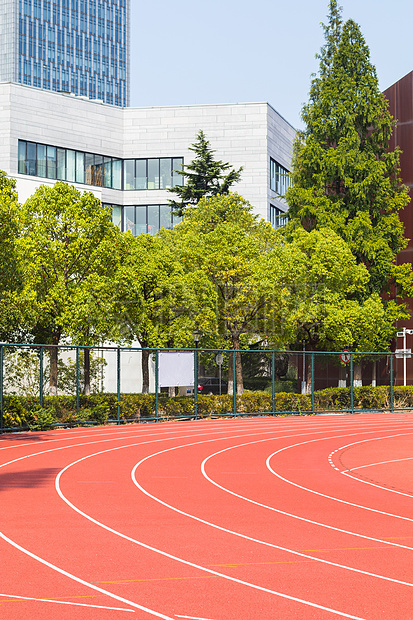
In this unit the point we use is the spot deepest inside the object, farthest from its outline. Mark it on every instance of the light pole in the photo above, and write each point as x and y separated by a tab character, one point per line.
197	336
404	351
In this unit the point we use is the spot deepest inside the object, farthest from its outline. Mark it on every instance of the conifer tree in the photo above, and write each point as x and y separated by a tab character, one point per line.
204	176
344	177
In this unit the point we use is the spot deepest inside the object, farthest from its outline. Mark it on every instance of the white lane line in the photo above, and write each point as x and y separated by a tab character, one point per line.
186	562
335	499
249	538
82	581
49	600
192	617
409	458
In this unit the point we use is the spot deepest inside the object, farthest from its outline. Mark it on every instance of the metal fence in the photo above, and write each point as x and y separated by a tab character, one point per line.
275	382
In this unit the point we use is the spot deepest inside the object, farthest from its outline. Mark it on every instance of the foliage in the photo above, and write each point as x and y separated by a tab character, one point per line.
160	304
25	412
10	272
69	250
344	176
204	176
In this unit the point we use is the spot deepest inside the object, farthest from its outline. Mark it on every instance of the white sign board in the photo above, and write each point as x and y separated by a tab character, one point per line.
176	369
345	356
403	353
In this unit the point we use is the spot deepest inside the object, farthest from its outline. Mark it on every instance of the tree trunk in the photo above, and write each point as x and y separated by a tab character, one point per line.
54	353
357	380
238	369
145	371
374	374
86	371
342	378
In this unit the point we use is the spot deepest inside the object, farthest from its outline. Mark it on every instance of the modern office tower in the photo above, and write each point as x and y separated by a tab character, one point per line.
72	46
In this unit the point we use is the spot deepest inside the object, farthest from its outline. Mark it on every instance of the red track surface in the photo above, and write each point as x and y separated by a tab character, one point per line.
219	520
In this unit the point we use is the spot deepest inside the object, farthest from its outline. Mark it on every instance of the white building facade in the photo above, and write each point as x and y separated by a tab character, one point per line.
128	157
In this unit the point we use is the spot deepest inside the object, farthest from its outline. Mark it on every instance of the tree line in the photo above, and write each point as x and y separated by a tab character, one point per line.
329	278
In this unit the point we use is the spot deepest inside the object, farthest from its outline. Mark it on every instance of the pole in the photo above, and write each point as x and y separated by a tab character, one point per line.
41	378
351	384
303	382
404	356
312	382
156	385
118	382
77	382
273	383
391	383
234	383
196	381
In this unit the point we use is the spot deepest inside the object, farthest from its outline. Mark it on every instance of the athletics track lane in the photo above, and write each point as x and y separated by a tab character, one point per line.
268	484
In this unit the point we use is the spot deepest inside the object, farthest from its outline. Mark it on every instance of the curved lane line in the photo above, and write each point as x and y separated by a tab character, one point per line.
49	600
336	499
250	538
181	560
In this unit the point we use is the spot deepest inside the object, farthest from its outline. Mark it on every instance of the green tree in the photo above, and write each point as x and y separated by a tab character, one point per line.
344	176
69	252
160	304
204	176
10	273
242	258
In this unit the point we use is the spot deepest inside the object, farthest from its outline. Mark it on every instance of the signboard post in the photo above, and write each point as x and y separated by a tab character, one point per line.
219	360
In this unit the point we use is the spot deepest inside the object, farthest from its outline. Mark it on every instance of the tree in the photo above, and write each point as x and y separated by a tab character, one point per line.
204	177
10	273
242	258
69	251
344	177
159	304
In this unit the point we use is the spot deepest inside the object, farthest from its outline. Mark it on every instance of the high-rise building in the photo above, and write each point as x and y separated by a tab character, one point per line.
73	46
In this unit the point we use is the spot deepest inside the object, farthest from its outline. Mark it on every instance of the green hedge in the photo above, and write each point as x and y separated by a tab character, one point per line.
21	412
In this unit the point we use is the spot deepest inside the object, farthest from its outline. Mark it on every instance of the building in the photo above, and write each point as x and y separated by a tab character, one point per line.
75	46
129	157
400	97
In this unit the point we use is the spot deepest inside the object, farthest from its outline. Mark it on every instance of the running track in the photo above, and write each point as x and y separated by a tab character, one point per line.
284	518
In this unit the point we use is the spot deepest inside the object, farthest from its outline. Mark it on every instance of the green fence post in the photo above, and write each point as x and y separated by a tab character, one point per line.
273	382
41	378
156	385
234	386
312	382
351	384
118	382
196	383
77	383
1	389
391	383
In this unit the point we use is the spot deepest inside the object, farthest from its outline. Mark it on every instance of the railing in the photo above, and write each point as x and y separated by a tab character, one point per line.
291	382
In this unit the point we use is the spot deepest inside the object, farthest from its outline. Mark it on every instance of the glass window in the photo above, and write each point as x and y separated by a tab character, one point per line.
177	164
129	220
80	167
22	157
107	172
129	173
165	216
153	173
141	227
31	158
51	162
97	177
165	172
153	219
41	161
117	173
70	165
176	219
61	164
141	176
117	215
89	163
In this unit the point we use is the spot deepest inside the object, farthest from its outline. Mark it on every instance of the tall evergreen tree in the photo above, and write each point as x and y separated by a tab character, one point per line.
344	176
204	176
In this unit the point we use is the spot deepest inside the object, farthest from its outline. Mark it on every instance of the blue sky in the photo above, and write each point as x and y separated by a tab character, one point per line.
231	51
